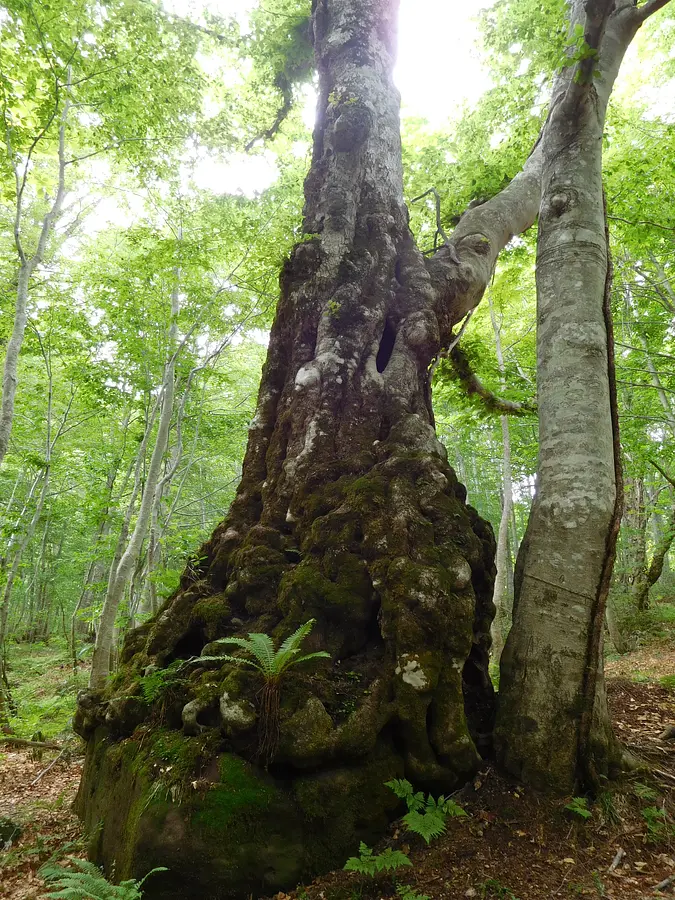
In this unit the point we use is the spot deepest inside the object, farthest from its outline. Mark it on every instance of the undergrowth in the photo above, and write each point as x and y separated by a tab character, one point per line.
44	688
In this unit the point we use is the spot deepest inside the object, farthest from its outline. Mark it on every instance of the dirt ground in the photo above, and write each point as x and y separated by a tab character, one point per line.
512	845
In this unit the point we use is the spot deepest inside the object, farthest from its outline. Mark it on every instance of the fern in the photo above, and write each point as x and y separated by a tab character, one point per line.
262	655
426	816
427	824
87	882
367	863
272	664
578	806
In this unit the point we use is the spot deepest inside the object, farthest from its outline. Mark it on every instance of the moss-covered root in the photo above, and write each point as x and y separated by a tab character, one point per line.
224	828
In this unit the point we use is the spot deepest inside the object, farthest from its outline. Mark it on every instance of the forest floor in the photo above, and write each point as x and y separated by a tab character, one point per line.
511	845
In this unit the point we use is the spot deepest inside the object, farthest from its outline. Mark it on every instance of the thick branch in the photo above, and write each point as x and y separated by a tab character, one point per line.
649	8
480	236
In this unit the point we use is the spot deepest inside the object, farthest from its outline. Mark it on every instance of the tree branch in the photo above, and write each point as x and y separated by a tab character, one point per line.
669	478
649	8
478	239
475	388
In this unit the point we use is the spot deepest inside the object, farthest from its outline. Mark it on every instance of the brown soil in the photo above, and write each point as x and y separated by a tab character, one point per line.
513	844
43	810
517	846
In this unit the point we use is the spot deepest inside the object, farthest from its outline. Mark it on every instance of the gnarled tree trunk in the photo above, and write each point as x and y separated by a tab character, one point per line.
347	512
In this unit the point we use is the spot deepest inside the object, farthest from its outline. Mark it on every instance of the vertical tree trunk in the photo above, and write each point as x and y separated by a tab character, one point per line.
553	727
501	597
647	577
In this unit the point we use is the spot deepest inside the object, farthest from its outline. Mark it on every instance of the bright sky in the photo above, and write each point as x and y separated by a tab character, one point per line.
438	71
438	67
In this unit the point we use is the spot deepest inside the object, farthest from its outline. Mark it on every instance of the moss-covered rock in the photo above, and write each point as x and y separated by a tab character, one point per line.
224	828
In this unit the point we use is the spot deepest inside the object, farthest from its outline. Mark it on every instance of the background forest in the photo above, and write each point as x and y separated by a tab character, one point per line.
150	189
151	179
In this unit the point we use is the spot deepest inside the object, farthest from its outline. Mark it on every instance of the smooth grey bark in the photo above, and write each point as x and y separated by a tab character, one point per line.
553	726
613	627
28	263
500	596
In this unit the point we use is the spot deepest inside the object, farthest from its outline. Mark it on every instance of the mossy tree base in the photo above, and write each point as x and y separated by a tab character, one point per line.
348	513
223	828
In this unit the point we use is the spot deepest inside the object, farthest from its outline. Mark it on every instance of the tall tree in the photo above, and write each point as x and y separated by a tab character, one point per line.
348	512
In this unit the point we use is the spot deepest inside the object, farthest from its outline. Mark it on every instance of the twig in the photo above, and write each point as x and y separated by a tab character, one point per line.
620	853
664	774
663	885
44	771
22	742
439	225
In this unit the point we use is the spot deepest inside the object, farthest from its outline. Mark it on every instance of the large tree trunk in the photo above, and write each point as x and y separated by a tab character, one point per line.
347	512
553	726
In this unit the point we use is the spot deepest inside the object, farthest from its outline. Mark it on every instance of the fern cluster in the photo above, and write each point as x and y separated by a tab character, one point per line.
367	863
426	815
262	656
86	882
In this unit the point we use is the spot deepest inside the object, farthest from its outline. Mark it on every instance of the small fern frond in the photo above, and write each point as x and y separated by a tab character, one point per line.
238	660
428	825
318	654
262	648
148	874
290	648
244	643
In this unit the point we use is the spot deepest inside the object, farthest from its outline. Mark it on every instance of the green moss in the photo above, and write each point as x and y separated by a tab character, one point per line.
239	790
368	491
212	612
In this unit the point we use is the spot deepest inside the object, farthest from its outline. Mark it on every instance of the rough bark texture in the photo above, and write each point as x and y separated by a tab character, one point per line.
553	726
347	512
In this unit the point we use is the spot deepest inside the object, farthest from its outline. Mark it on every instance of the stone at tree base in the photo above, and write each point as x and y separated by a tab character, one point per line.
233	832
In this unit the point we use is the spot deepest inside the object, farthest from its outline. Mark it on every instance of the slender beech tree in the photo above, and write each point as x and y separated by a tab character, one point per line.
349	513
553	725
500	597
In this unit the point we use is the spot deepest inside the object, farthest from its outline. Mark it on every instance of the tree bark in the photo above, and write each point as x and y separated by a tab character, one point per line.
347	510
500	597
553	726
647	576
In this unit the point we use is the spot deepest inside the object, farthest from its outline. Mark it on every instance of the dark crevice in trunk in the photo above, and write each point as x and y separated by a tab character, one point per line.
386	348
